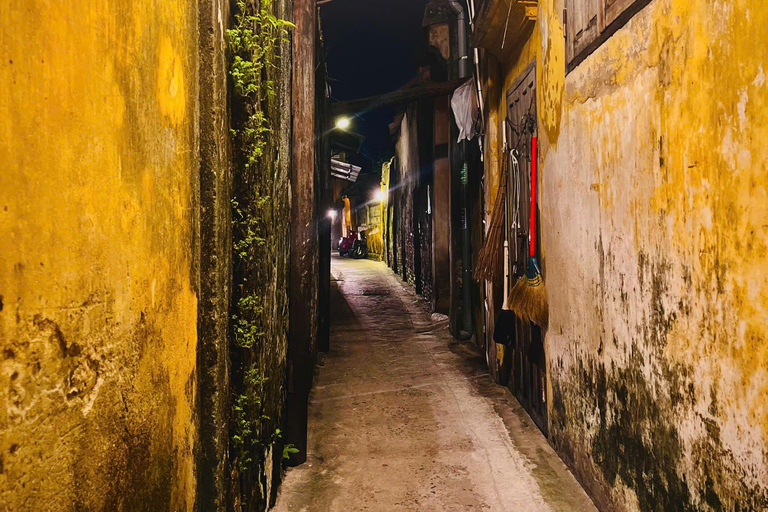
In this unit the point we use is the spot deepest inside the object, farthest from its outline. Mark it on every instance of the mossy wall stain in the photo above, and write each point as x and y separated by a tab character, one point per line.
654	199
98	324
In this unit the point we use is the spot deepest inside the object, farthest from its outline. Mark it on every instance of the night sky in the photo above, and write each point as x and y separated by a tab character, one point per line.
371	47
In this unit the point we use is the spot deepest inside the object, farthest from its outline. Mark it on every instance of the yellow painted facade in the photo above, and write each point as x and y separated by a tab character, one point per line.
98	316
654	200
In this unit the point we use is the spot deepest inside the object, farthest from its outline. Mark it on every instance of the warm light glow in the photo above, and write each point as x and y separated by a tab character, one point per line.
343	123
379	196
331	214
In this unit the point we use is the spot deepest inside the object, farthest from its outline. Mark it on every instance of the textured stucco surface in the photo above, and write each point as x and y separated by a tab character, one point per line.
98	319
653	202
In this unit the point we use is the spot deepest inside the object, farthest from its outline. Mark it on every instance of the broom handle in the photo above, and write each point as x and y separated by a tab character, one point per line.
505	163
532	231
505	176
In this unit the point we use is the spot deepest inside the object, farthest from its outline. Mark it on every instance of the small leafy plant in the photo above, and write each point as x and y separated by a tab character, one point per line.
289	449
245	440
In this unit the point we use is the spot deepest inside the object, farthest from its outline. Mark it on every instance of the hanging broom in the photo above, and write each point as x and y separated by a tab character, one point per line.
528	298
504	327
489	260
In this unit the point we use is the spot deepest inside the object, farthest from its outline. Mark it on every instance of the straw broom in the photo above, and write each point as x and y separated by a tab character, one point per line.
504	326
489	260
528	298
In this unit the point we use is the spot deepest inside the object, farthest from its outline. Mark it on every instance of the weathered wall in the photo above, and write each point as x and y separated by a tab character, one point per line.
214	306
261	261
654	236
98	308
407	158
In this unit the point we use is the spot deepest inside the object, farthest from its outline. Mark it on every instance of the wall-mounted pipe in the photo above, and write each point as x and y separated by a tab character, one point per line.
466	249
461	19
478	84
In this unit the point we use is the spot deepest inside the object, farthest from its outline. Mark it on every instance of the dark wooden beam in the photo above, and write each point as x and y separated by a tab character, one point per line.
401	97
303	271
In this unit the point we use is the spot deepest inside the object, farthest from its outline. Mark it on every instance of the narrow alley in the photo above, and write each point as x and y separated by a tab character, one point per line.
384	256
404	417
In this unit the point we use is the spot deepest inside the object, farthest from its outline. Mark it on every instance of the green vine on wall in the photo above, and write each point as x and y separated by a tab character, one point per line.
254	41
245	441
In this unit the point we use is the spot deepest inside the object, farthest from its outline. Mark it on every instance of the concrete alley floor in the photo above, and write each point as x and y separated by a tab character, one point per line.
403	417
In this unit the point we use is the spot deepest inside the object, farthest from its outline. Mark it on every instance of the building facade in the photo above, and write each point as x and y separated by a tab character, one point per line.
649	379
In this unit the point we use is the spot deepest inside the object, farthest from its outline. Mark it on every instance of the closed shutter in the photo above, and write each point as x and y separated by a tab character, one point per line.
590	22
614	8
584	24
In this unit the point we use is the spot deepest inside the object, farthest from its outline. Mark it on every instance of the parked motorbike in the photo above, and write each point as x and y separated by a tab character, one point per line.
354	246
346	243
359	248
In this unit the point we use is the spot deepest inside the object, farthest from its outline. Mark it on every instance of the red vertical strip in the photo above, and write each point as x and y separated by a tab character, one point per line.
532	232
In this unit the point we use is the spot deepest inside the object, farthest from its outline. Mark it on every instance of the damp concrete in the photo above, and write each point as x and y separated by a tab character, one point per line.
403	417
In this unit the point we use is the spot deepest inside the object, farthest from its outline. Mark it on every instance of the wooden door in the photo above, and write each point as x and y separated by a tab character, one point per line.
529	374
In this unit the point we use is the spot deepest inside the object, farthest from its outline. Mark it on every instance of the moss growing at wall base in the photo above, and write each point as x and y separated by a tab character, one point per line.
636	444
619	426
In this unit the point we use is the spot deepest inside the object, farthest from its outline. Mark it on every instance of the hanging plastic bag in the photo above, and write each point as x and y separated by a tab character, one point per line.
465	110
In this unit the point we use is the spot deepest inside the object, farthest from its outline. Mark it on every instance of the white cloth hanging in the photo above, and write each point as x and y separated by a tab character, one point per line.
465	110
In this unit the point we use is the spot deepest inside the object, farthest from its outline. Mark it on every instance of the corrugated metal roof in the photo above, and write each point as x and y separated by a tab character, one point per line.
344	170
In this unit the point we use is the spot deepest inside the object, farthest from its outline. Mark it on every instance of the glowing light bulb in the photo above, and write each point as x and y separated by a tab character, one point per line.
343	123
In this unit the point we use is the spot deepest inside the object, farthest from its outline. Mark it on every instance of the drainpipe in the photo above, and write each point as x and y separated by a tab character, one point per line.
478	85
461	18
466	252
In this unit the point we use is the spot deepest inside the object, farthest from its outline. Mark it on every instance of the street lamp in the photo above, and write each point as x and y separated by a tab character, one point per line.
379	196
342	123
331	215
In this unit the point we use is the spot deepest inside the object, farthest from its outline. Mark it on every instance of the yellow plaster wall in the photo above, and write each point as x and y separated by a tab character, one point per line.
98	317
654	203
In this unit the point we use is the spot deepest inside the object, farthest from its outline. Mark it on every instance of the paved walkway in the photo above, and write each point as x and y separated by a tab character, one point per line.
404	418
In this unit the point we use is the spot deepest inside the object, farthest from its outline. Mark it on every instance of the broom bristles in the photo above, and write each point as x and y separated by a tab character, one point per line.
489	260
528	298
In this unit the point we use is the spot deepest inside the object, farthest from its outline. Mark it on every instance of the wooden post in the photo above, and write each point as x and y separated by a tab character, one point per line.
303	272
397	98
323	161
